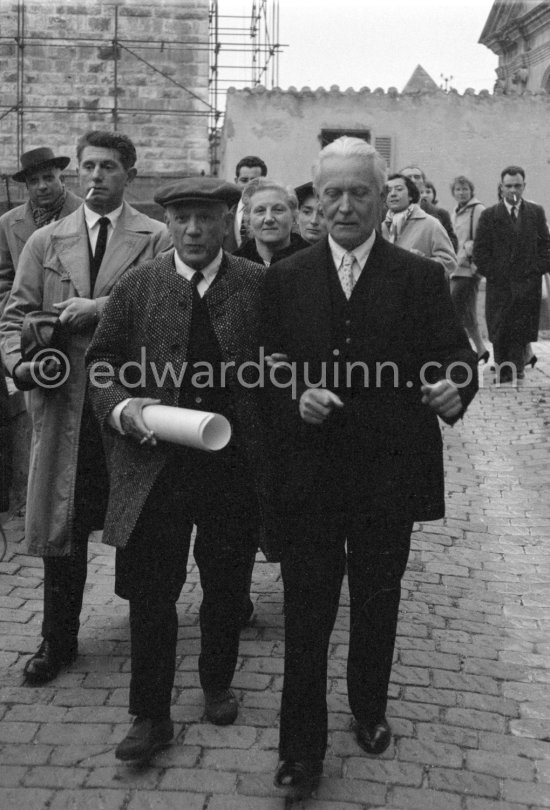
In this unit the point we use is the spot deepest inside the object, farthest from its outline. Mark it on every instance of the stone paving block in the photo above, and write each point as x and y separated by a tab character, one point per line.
212	736
491	804
472	718
89	799
25	798
247	761
12	775
152	800
120	776
246	803
390	772
465	738
430	752
37	712
501	765
523	792
72	733
423	799
49	776
464	782
17	732
198	780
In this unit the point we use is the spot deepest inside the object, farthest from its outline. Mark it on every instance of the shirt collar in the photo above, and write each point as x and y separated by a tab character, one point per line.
209	272
509	205
92	218
361	252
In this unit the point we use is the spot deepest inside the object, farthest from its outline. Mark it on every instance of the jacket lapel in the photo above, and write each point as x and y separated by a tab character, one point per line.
24	226
128	242
312	298
70	244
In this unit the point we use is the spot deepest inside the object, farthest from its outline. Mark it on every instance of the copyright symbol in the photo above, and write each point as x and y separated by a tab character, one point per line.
52	378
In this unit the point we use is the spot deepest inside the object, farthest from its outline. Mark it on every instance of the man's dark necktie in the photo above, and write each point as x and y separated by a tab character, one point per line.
100	246
195	281
513	214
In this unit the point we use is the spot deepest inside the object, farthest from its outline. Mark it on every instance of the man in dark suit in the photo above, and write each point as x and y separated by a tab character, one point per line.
247	169
370	338
70	267
419	179
512	250
191	317
42	172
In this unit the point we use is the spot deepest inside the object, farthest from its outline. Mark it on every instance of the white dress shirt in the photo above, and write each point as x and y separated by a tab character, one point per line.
92	223
361	253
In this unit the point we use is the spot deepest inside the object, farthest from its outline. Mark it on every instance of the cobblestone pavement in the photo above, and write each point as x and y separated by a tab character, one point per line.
470	694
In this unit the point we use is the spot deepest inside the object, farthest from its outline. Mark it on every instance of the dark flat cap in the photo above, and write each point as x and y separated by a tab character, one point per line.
198	189
304	191
35	159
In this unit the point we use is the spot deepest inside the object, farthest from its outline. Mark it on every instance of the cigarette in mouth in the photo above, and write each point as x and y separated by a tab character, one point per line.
515	198
89	194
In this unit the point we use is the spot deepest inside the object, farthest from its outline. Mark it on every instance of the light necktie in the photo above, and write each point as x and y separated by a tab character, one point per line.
100	247
513	214
345	274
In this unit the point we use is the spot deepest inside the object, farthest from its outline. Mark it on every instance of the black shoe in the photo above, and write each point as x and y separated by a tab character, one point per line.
483	358
298	778
220	706
373	738
49	659
532	360
145	738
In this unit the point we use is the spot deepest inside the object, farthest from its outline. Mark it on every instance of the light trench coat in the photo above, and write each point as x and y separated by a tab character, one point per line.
53	267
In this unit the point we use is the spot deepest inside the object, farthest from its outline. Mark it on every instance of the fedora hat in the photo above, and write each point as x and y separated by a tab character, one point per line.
41	330
35	158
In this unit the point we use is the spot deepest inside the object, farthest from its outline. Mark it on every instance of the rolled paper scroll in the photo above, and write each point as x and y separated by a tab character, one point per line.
200	429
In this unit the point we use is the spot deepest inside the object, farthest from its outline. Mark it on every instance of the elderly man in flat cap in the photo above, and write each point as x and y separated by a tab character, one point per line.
182	330
49	200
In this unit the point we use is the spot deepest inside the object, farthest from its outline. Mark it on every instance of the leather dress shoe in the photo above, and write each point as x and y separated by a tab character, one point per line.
373	738
49	659
145	737
299	778
220	706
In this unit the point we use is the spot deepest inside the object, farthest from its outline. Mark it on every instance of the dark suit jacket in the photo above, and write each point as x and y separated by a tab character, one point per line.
147	320
394	440
513	259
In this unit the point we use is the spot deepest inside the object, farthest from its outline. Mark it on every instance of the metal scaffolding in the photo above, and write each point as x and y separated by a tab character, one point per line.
243	51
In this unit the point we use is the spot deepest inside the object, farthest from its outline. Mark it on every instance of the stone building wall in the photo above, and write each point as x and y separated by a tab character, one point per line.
68	70
445	133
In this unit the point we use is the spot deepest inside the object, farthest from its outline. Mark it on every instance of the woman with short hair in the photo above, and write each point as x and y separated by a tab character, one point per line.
270	212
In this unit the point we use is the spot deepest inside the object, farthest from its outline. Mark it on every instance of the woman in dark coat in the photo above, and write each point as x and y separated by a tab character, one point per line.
270	210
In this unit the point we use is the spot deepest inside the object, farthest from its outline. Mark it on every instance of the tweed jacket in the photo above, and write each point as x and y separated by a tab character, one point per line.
426	234
513	259
54	266
403	315
147	322
15	228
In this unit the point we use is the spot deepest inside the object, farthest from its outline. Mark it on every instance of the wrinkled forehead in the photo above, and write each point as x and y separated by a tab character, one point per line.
212	208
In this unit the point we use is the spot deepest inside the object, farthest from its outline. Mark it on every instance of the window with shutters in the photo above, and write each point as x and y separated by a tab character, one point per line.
383	147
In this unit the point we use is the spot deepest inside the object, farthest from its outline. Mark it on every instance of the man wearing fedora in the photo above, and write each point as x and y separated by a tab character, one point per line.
49	200
70	267
190	317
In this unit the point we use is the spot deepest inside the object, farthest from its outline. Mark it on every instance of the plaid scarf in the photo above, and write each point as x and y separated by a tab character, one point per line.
42	216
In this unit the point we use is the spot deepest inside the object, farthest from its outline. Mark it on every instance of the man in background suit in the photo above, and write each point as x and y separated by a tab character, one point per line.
246	170
512	250
70	267
360	446
49	200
